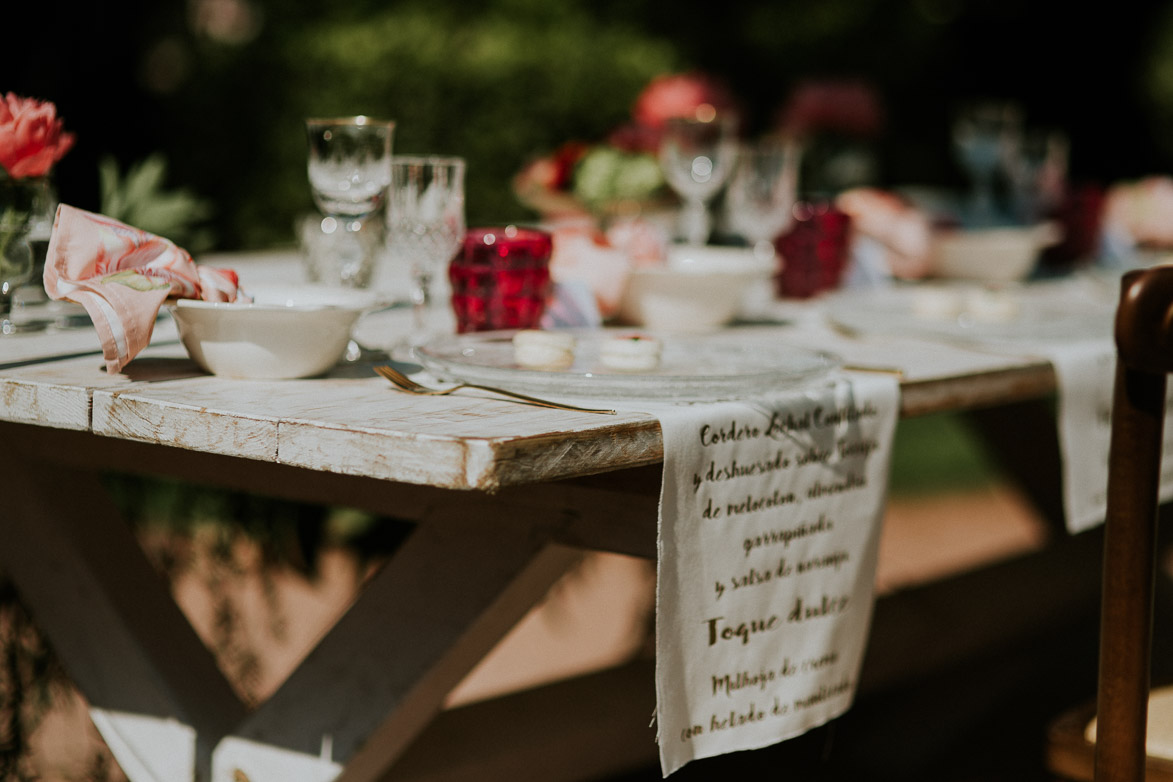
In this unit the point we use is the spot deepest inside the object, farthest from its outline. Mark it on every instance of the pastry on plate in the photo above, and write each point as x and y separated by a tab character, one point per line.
537	349
631	353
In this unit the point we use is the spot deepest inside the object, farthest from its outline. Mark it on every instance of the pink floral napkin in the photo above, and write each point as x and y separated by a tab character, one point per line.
902	231
122	276
598	262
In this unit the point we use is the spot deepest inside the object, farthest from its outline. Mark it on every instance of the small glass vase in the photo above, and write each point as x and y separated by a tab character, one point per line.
19	199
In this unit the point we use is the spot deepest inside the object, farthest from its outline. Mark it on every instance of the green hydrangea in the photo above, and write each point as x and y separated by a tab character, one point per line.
606	175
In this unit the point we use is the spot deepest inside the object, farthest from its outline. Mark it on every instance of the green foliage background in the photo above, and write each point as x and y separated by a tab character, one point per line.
497	86
501	81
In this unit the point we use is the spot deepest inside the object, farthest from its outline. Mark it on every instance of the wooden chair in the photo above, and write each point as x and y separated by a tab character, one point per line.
1144	343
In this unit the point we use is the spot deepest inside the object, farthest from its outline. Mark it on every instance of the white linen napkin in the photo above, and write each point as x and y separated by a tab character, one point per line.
1085	373
770	514
1084	366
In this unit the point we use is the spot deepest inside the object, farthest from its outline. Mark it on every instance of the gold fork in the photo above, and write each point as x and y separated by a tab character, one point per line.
405	383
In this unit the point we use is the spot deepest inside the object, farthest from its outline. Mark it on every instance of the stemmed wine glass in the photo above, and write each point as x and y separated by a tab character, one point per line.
760	198
984	135
696	156
349	170
1037	171
425	223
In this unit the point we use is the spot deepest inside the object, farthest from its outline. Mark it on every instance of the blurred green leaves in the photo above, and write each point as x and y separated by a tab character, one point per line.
498	83
140	198
497	86
606	175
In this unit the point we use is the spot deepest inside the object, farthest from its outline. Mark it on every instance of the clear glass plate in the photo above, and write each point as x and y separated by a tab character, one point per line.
969	313
692	367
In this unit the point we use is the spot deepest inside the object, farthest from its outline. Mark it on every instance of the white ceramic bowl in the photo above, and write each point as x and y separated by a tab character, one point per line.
286	332
999	254
696	289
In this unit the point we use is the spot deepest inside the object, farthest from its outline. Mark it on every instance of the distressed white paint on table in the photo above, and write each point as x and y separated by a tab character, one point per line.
502	495
82	340
360	426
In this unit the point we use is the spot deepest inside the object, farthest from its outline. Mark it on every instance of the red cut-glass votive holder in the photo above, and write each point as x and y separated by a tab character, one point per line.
814	250
1081	217
501	279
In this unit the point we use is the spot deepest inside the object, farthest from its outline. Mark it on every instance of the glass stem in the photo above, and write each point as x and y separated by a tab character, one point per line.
695	222
982	199
421	301
6	324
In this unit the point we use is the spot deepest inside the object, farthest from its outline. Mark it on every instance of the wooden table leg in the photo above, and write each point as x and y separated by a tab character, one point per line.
458	584
1023	440
155	692
452	590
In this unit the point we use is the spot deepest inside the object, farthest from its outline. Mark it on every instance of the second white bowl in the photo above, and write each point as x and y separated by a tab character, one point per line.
1002	254
697	289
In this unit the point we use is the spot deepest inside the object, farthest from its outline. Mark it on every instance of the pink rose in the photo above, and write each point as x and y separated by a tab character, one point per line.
680	95
31	137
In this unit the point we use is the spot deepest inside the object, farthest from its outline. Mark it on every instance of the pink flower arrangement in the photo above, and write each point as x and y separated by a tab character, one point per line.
691	95
546	184
680	95
32	138
618	178
580	176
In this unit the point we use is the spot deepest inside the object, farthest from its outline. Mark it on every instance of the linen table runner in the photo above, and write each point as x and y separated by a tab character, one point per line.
770	516
1085	373
1084	360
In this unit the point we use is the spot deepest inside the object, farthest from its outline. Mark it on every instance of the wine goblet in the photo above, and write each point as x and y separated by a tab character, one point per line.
759	199
696	156
349	170
985	134
425	224
1037	171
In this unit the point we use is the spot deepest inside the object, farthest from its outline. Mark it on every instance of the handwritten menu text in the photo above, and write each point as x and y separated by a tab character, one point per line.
770	518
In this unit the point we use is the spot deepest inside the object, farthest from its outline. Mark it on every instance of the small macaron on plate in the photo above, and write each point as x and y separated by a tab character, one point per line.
624	363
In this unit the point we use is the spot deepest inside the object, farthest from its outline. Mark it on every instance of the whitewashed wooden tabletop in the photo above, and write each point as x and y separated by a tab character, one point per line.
353	422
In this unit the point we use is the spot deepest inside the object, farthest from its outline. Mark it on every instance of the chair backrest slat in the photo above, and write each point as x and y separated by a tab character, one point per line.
1144	343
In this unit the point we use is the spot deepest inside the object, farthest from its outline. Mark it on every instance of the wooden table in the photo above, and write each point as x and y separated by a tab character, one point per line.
504	499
